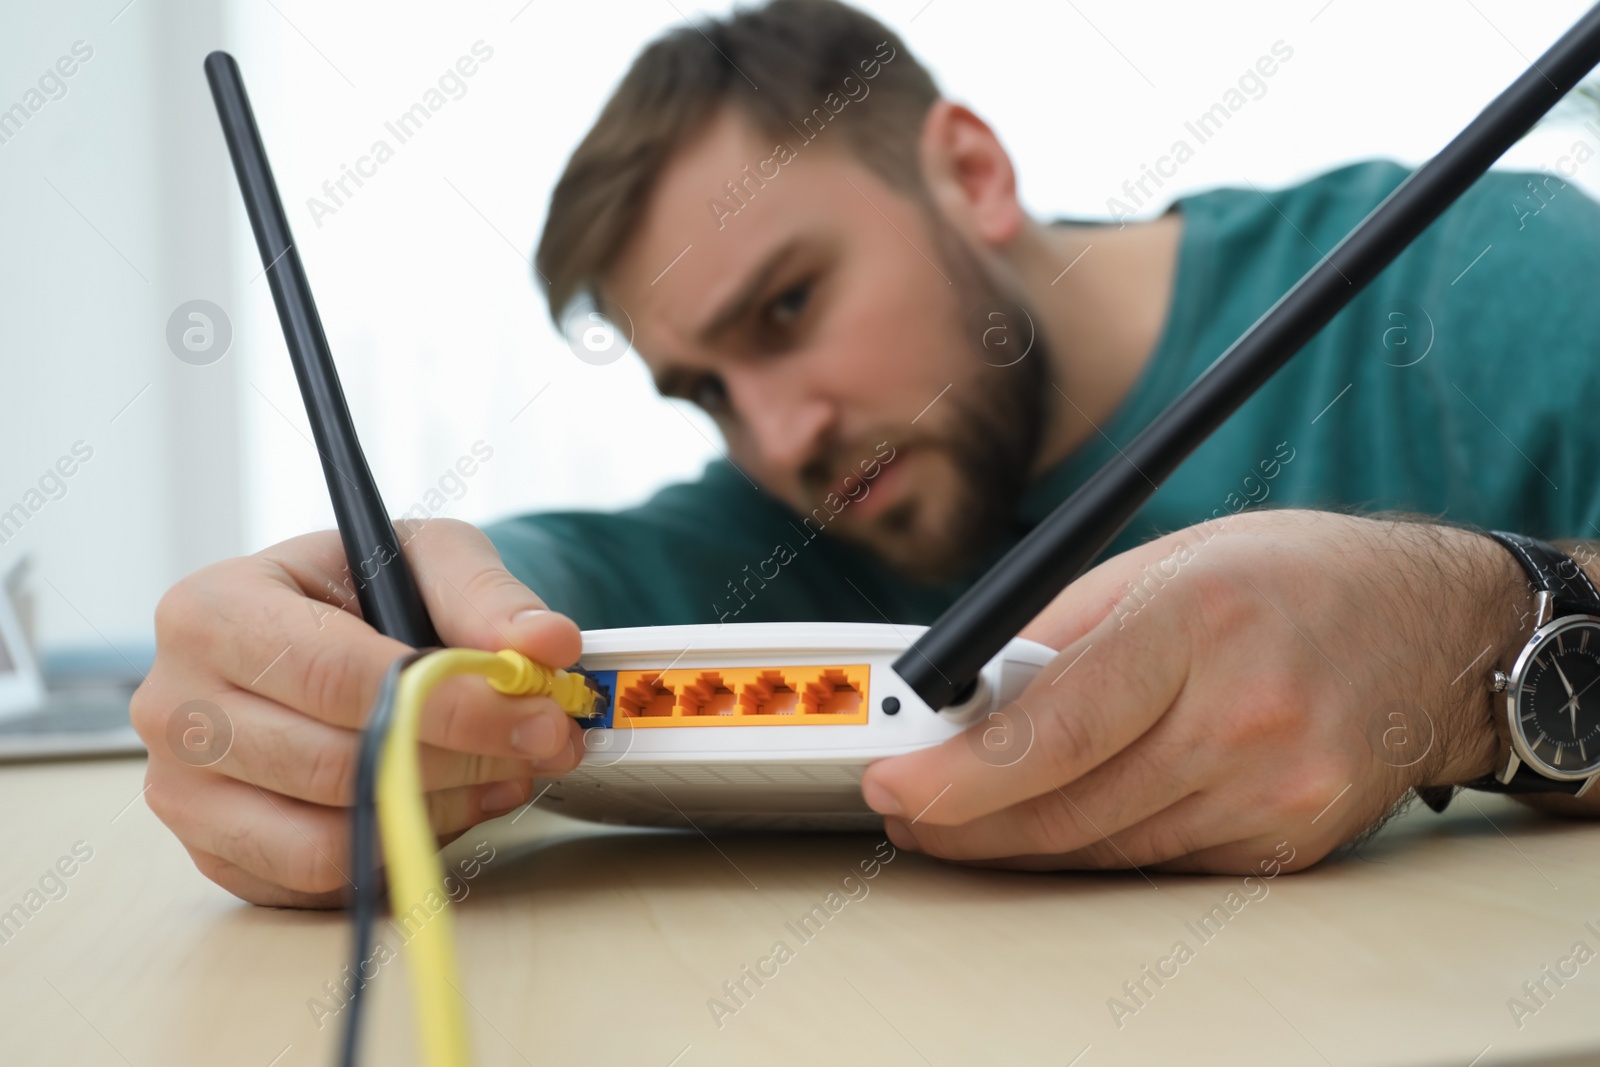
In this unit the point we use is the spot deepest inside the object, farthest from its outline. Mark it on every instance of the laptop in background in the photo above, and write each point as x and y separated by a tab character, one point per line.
74	705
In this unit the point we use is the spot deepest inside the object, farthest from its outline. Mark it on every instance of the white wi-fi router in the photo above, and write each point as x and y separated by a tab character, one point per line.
758	725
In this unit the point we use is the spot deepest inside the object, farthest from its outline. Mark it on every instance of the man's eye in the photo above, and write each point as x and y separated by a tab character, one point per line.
710	394
789	304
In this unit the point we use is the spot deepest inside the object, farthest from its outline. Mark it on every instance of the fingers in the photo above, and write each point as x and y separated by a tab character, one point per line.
454	810
257	844
301	847
465	714
476	603
285	752
277	642
1218	859
1128	789
1181	830
248	887
1081	712
1203	833
247	622
270	625
1264	855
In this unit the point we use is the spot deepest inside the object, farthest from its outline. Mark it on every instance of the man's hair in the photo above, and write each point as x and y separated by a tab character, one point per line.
776	65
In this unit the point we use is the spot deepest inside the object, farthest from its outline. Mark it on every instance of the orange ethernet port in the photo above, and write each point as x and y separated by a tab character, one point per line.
743	696
708	694
643	694
769	694
834	693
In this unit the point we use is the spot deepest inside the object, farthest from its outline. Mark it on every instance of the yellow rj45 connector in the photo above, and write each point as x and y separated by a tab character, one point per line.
522	676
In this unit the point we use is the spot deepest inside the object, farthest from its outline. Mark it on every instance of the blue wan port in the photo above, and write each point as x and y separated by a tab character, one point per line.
606	683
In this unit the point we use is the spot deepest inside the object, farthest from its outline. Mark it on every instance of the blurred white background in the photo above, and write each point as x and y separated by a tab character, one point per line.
120	205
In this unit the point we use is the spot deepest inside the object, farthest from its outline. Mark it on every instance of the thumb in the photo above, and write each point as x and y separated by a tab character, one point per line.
475	602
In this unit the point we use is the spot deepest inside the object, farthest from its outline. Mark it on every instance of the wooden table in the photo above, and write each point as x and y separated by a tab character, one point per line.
583	945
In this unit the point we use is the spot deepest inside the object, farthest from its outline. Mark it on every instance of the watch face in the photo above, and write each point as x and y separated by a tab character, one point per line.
1555	703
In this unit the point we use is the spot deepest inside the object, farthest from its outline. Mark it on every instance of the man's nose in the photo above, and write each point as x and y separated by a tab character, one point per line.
786	422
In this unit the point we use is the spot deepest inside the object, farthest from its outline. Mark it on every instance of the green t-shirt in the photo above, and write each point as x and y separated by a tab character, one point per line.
1455	385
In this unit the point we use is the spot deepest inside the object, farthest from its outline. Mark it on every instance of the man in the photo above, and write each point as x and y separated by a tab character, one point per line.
909	372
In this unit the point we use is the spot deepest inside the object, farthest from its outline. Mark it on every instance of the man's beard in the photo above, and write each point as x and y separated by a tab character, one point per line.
991	433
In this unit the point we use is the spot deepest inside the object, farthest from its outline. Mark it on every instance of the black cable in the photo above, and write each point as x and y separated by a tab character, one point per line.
363	846
946	658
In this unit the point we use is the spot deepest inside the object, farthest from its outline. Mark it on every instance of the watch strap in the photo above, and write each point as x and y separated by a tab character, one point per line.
1549	569
1526	780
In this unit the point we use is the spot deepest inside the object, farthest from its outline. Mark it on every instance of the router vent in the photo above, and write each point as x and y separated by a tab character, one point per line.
771	774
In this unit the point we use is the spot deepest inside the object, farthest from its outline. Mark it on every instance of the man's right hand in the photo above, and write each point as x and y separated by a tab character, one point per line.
276	641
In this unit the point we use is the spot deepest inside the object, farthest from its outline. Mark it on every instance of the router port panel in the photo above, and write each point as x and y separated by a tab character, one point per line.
824	695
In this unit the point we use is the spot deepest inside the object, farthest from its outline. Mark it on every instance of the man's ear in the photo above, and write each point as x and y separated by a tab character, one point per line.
969	174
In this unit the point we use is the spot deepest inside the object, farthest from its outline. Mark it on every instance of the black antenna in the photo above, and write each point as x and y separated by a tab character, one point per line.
388	593
945	660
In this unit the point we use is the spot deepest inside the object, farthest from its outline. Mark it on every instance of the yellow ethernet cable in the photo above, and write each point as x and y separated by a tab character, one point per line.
408	840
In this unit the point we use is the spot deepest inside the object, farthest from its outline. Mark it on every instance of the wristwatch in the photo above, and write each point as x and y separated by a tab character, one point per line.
1550	731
